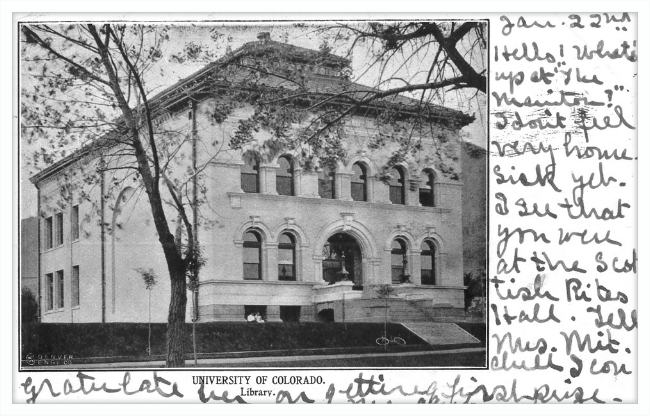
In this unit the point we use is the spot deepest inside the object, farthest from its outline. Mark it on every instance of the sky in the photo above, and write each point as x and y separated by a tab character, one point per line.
216	39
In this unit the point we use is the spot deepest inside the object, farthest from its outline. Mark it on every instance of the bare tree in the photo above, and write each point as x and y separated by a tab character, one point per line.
87	85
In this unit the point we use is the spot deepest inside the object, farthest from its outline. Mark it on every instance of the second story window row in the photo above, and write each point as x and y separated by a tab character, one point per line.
54	231
283	179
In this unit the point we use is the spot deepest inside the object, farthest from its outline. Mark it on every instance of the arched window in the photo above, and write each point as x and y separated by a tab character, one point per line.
426	189
286	257
252	256
284	176
428	263
398	262
326	183
250	173
396	185
358	183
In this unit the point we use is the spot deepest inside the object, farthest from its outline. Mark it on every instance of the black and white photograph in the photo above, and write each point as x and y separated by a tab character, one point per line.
344	202
253	194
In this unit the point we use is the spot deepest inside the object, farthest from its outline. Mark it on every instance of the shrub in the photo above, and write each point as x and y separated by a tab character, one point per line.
28	306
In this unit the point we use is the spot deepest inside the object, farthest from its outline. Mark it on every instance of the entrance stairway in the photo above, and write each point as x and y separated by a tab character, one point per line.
433	323
399	310
441	333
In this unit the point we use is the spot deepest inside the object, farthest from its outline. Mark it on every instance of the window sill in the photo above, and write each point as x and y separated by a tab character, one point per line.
47	250
236	197
257	282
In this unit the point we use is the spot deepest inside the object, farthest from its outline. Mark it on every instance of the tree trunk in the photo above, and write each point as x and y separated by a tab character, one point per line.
176	319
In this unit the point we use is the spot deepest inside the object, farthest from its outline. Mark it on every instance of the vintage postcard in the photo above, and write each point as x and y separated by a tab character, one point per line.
434	208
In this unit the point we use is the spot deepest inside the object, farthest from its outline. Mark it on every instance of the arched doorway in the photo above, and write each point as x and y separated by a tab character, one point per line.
342	260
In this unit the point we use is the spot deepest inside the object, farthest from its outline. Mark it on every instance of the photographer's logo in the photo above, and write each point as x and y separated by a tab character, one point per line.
47	359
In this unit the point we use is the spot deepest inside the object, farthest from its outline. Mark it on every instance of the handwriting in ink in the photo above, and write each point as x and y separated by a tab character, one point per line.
85	388
212	396
524	54
584	342
567	236
539	123
541	394
588	53
523	315
539	264
506	235
599	322
523	292
562	102
605	295
628	266
592	151
522	24
504	365
591	183
606	214
540	346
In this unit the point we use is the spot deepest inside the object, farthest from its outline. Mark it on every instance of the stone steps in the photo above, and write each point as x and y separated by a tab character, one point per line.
399	310
441	333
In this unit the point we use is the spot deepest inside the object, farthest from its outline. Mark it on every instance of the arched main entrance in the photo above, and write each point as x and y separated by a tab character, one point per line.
342	260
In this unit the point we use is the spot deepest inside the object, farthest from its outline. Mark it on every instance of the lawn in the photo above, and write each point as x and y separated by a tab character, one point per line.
131	339
451	359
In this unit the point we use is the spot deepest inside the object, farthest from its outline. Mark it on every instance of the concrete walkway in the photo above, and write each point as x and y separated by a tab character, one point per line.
441	333
248	361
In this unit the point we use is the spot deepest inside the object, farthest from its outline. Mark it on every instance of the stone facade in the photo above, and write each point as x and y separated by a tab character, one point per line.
92	275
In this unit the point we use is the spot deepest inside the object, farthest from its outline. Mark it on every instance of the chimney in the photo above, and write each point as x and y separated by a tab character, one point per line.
264	37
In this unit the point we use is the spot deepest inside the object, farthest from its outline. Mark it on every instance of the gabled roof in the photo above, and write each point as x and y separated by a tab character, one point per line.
265	47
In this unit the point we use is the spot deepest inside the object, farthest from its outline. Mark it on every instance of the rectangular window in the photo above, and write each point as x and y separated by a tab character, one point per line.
253	311
49	283
358	191
426	197
286	269
397	267
284	185
249	183
58	229
252	263
290	313
427	277
74	223
75	286
48	233
326	188
60	294
396	195
286	272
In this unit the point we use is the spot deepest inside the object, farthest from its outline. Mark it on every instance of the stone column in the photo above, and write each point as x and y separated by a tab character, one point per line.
298	175
273	313
232	268
413	192
309	184
415	265
381	192
342	186
271	262
267	179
